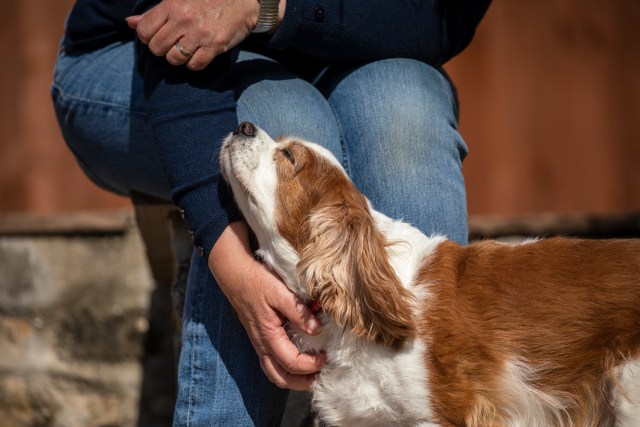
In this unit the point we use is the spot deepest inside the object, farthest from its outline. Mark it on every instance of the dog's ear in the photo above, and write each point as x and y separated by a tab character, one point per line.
346	269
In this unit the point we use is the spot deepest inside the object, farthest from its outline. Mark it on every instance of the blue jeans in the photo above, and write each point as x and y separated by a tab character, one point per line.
392	123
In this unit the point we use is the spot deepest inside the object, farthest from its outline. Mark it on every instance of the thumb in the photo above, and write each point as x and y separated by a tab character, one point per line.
132	21
299	315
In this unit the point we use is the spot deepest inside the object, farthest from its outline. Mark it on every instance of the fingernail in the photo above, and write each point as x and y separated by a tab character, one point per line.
314	325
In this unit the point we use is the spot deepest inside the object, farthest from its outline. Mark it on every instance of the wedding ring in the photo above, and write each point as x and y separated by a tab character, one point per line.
183	51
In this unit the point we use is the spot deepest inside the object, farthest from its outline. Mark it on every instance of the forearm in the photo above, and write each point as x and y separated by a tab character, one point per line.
230	251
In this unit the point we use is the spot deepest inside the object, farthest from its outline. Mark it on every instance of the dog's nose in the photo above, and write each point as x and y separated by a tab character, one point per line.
246	129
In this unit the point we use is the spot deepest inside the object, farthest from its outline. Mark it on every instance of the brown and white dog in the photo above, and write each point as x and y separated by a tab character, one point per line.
420	331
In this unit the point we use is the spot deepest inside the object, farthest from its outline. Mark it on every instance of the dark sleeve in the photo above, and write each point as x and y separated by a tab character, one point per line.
92	24
190	113
362	30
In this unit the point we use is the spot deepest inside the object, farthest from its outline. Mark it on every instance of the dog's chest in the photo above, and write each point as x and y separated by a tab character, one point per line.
371	386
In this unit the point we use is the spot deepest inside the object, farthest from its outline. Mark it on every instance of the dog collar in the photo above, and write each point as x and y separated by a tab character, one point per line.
314	306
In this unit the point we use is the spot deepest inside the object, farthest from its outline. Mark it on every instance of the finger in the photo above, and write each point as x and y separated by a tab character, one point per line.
283	379
182	55
289	357
176	57
165	39
201	58
298	314
150	22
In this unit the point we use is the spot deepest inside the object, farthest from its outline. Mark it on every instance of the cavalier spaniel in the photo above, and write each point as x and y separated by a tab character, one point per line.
421	331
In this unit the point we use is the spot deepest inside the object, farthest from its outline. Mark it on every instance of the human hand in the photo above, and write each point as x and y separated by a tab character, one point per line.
204	28
262	303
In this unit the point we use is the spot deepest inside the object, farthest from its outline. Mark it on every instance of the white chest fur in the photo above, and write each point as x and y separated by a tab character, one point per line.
365	384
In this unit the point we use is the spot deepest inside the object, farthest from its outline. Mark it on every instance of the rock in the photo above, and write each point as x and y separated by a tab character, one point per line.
73	322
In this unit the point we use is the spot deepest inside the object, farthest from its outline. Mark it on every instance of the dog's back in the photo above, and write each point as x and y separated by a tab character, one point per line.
547	332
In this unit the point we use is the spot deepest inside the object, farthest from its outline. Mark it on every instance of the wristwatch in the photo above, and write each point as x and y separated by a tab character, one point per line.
268	16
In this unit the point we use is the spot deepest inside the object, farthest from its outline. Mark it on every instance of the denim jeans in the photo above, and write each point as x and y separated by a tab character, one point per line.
392	123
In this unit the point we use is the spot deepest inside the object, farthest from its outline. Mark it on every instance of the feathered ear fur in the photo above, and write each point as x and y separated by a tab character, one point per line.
345	267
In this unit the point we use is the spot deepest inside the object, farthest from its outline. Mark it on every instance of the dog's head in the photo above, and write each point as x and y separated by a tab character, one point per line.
315	229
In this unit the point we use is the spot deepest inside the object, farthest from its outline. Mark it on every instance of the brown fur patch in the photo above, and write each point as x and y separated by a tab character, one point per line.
343	259
570	309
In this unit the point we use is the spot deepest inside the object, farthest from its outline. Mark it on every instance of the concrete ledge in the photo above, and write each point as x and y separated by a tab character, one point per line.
546	225
480	227
29	224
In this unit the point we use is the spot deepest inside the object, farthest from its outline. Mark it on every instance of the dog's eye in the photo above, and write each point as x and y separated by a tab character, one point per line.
287	154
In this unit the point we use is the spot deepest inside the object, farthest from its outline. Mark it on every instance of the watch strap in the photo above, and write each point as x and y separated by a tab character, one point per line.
268	16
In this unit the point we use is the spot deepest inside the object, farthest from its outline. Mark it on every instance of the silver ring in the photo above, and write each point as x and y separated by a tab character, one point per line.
183	51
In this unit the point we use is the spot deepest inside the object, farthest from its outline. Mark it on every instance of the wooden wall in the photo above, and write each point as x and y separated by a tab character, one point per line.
550	94
37	172
550	109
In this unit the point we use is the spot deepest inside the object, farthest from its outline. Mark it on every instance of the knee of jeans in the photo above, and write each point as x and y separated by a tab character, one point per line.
411	78
398	95
402	109
398	84
290	107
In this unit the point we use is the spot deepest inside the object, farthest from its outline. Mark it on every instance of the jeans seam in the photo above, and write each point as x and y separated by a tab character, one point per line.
193	340
343	143
195	345
65	98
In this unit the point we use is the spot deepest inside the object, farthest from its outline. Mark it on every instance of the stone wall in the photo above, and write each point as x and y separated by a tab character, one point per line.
73	321
85	339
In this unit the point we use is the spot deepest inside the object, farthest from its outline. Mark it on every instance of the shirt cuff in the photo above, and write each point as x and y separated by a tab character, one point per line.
288	28
207	210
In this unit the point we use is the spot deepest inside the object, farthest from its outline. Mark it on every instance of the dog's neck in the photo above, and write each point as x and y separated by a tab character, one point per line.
408	246
282	259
